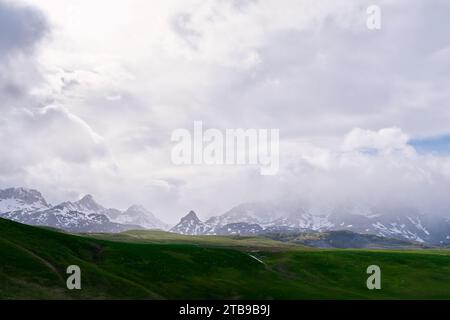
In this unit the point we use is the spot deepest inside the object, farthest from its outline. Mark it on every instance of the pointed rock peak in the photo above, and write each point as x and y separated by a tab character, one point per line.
87	197
88	202
191	216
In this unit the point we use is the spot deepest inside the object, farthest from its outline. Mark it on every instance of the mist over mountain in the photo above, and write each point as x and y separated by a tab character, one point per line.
261	218
86	215
138	215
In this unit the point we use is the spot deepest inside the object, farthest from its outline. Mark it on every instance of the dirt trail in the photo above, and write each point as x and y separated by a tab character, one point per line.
40	259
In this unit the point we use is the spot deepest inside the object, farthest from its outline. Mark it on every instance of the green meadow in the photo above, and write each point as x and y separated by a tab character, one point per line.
159	265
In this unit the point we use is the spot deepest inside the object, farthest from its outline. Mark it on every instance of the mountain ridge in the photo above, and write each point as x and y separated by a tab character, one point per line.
86	215
28	206
255	219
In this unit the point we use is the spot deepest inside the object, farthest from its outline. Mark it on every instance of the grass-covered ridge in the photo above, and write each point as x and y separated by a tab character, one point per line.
155	265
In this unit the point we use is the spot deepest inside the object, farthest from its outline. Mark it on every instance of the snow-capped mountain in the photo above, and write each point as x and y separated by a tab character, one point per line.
63	217
88	205
85	215
262	214
15	202
190	225
257	218
137	215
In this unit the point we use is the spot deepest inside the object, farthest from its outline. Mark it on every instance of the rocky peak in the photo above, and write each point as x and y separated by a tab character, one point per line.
189	224
26	195
191	216
89	203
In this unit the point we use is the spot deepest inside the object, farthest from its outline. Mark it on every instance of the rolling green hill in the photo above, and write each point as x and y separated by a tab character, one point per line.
156	265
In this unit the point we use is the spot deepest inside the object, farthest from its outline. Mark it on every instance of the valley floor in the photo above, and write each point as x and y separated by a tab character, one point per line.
157	265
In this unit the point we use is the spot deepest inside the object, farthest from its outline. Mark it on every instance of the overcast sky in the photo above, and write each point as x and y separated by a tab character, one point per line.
90	92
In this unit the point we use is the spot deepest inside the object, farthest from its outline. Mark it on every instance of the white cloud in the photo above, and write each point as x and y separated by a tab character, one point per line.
124	74
387	139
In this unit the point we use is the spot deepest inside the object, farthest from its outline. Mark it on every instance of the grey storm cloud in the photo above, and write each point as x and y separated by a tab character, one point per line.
21	27
35	136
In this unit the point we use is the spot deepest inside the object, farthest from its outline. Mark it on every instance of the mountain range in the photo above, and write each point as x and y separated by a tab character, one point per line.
259	218
85	215
28	206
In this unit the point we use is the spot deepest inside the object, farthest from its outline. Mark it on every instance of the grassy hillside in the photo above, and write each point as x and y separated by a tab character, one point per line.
235	242
149	265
